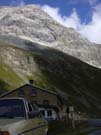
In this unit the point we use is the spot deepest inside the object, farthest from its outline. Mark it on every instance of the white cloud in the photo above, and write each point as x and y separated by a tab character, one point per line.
91	31
93	2
17	3
71	21
22	3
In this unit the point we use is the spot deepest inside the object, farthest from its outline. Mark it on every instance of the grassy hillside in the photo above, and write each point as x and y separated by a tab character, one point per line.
80	81
55	70
8	78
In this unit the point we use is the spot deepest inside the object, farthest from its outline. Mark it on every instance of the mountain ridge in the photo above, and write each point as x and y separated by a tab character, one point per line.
54	57
32	23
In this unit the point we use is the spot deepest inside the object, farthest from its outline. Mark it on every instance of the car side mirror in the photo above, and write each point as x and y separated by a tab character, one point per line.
33	114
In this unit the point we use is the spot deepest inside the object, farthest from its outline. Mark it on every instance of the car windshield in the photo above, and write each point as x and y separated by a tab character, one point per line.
11	108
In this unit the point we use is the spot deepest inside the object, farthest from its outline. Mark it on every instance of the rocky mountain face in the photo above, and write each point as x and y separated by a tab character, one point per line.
31	23
34	46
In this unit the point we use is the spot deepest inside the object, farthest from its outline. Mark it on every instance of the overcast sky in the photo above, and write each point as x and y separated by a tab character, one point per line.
83	15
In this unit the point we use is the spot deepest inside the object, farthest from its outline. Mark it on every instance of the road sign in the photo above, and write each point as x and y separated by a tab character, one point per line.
71	108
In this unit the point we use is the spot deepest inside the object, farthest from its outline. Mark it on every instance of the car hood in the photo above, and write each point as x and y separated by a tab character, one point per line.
5	122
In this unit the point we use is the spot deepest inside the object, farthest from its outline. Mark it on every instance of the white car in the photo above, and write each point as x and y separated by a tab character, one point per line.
20	117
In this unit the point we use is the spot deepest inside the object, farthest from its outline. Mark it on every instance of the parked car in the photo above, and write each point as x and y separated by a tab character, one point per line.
19	117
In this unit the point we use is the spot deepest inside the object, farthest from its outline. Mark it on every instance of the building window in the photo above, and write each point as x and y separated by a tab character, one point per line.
46	102
49	112
43	113
33	93
21	93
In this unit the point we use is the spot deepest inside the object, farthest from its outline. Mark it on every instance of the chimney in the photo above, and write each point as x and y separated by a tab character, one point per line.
31	82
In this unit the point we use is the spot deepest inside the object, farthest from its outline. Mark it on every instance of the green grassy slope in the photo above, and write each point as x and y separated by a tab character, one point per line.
8	78
56	71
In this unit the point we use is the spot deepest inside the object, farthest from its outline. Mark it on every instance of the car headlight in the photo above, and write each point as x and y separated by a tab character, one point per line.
4	133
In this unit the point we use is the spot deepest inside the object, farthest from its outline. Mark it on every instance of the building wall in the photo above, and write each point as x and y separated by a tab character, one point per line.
46	96
39	96
35	95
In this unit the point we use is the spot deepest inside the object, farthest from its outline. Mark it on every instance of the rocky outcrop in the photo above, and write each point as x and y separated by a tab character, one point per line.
31	23
34	46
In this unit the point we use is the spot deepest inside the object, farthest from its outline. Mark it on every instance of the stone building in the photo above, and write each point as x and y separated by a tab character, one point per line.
50	103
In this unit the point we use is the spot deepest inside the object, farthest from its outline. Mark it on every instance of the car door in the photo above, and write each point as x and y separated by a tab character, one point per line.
36	125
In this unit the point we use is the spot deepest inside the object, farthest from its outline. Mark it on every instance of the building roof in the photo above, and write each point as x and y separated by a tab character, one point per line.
37	88
31	86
